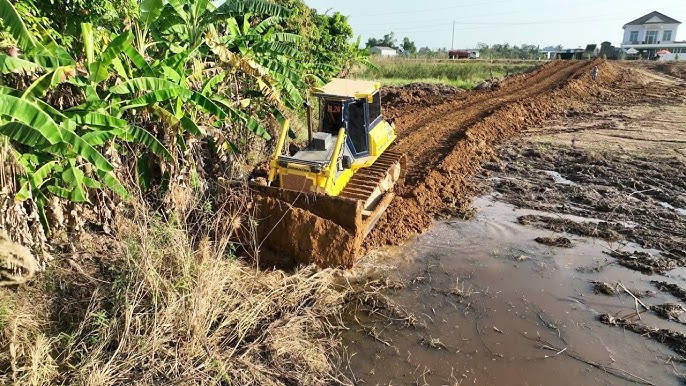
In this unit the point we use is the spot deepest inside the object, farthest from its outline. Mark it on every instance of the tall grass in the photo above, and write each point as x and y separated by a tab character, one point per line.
459	73
168	310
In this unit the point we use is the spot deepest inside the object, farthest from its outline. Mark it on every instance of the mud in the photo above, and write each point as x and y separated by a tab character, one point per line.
669	311
675	340
561	242
673	289
604	288
468	302
491	305
307	227
625	198
617	174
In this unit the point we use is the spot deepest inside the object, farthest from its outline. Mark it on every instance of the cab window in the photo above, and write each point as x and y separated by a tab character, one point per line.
332	116
375	108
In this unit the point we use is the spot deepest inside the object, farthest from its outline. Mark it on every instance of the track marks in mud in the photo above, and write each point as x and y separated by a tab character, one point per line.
635	197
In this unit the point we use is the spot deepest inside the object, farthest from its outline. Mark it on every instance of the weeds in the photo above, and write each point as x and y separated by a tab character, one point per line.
460	74
173	310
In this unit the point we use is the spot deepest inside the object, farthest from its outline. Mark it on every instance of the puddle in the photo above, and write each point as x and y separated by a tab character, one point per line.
485	293
557	177
670	207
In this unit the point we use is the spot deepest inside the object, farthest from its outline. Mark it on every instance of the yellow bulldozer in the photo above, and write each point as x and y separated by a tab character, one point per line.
344	175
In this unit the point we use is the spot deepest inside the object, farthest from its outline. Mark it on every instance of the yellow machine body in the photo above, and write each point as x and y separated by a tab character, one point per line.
330	177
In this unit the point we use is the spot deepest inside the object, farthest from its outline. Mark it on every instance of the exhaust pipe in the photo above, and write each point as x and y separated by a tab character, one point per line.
308	105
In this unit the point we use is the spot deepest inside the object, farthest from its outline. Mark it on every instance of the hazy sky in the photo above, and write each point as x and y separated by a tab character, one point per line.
541	22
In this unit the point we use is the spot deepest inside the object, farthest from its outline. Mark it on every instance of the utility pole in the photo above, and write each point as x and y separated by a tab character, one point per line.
452	44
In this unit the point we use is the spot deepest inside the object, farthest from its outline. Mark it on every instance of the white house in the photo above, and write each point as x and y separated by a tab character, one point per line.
651	33
384	51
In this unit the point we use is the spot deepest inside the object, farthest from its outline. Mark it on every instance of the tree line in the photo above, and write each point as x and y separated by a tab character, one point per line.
488	51
98	94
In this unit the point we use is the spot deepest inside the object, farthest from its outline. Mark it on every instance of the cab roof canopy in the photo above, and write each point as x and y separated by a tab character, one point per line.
348	88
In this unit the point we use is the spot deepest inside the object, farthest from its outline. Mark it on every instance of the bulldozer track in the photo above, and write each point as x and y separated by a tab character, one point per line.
363	185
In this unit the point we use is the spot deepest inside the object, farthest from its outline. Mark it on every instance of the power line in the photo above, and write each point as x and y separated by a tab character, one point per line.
424	10
481	25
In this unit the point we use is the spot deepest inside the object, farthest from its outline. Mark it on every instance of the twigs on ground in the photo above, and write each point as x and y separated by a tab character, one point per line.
614	371
637	301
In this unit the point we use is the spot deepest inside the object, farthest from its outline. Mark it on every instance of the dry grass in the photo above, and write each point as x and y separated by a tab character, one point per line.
171	311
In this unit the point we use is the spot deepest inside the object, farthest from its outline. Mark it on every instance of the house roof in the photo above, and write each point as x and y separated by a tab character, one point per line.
384	48
654	17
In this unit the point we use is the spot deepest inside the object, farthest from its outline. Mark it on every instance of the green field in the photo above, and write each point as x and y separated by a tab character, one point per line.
460	73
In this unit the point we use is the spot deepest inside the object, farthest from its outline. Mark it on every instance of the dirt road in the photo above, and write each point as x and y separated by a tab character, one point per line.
447	142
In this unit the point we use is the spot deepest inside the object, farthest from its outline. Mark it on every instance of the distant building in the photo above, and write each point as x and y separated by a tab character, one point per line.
549	52
652	33
384	51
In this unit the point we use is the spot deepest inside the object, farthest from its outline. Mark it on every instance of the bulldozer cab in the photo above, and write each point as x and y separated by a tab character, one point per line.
354	105
351	136
353	116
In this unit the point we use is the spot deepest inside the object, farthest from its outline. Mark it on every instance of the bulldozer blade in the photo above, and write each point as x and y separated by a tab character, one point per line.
327	230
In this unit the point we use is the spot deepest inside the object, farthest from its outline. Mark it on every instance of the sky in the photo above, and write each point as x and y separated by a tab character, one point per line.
539	22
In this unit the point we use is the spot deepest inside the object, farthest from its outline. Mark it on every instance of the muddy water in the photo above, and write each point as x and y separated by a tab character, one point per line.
484	304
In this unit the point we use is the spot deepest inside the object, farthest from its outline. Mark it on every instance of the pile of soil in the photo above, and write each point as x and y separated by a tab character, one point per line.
675	69
561	242
415	94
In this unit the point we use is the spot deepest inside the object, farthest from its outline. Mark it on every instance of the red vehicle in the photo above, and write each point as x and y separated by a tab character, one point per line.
463	54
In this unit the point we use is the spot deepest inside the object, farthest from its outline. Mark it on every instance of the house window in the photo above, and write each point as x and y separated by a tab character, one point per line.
667	36
633	36
651	37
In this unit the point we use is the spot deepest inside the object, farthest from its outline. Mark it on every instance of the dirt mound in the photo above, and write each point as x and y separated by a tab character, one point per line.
447	143
675	69
561	242
639	198
415	94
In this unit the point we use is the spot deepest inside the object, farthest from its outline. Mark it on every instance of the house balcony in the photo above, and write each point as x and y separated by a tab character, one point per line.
644	45
639	43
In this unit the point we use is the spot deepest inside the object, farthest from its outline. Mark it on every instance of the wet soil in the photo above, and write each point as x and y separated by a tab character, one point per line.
620	178
480	301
